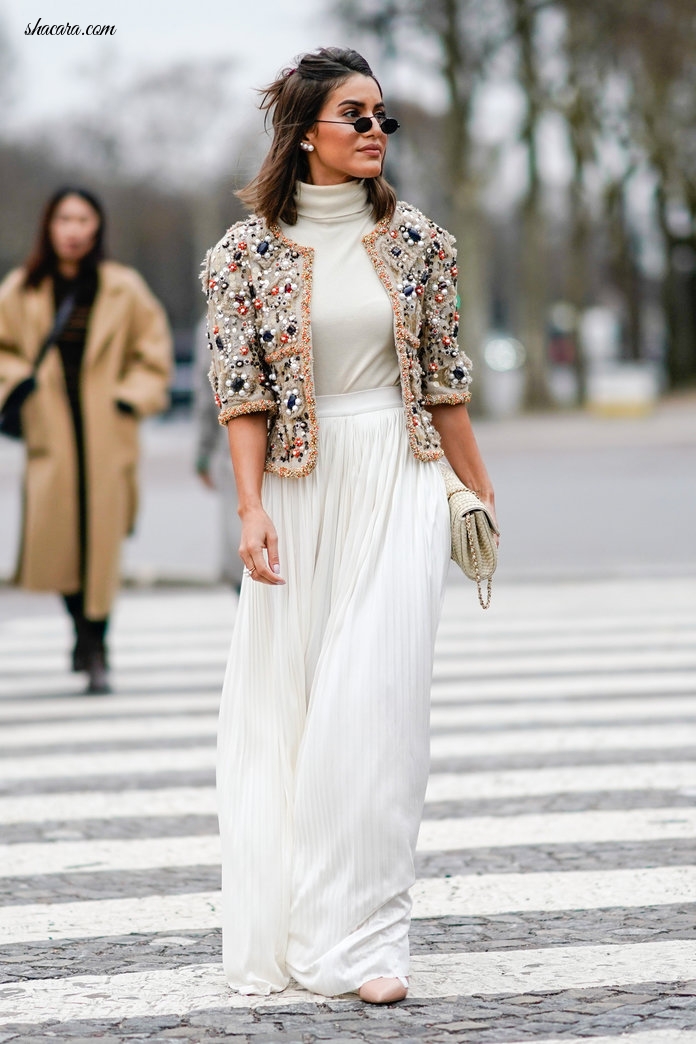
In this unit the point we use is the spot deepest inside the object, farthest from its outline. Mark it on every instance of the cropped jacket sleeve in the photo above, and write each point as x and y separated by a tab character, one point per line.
446	368
238	374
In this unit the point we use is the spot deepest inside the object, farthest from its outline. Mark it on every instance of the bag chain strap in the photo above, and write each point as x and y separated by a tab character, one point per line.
472	548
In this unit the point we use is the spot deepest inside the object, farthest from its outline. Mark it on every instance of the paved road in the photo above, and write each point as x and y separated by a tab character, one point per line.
578	496
556	890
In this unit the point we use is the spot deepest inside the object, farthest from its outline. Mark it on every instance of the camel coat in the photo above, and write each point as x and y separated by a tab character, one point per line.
127	356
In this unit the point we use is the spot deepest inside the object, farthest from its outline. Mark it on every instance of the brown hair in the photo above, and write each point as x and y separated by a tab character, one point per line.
42	261
294	100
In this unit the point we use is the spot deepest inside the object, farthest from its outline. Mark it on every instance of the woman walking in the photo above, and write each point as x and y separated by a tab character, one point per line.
332	322
108	366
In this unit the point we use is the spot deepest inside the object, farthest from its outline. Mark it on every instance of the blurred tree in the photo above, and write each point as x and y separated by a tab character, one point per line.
623	79
468	39
636	66
455	40
533	282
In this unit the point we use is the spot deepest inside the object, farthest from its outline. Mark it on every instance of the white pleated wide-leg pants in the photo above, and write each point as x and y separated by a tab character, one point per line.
323	744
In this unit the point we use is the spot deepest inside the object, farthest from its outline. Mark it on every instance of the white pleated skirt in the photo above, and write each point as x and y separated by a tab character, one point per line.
323	743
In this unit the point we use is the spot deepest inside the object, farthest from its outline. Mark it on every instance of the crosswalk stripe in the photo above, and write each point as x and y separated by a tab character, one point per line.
539	642
171	801
435	836
141	725
459	786
480	663
439	835
627	683
458	896
57	688
124	728
486	665
444	715
574	779
77	708
63	684
202	987
603	737
455	744
110	763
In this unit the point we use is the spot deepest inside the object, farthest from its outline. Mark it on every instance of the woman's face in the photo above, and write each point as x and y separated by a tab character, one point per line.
340	153
73	228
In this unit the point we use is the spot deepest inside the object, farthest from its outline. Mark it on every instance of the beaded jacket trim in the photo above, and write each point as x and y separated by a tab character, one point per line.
258	284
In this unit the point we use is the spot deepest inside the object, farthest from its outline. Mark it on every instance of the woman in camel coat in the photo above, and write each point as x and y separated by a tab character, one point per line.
109	367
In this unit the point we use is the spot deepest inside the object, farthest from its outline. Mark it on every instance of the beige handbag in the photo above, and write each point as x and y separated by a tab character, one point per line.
473	533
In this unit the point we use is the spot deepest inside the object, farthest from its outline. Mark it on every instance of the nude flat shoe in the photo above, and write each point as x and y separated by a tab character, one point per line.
383	990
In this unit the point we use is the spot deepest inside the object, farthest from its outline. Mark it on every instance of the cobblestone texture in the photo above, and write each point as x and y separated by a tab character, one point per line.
191	825
129	953
474	1020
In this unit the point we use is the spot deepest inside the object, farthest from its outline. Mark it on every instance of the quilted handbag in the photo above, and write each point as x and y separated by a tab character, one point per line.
473	534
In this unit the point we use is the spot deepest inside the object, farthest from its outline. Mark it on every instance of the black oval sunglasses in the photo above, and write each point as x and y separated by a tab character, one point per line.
363	124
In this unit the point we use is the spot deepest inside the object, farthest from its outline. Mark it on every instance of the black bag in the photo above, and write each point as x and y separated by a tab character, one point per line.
11	412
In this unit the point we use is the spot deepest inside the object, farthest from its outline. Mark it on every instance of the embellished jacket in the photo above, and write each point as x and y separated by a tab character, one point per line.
258	285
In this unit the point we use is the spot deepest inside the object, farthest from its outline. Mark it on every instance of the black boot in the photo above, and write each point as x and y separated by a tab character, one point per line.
80	652
97	666
97	662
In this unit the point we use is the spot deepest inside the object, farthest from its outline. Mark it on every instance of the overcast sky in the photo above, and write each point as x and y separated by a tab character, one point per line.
258	36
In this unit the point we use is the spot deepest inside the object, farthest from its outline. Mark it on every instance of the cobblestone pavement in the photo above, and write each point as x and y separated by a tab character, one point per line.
556	882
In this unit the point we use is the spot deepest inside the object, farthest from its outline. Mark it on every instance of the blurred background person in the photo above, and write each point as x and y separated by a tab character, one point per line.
213	461
109	366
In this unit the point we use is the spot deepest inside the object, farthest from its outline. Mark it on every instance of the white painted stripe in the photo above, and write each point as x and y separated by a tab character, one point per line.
457	896
456	642
138	727
575	663
57	683
164	648
172	801
572	779
624	684
91	919
461	786
574	828
59	857
456	744
74	707
178	991
124	639
111	763
540	740
159	613
485	895
443	715
186	654
94	710
63	857
157	727
66	689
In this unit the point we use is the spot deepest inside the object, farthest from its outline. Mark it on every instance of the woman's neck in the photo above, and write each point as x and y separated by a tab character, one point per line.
68	269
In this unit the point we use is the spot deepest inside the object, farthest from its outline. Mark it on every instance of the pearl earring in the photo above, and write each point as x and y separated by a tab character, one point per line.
307	146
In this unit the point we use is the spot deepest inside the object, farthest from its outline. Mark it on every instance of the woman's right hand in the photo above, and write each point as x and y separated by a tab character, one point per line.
259	534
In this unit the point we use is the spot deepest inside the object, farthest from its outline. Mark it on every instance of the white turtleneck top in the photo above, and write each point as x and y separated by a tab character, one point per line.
352	322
